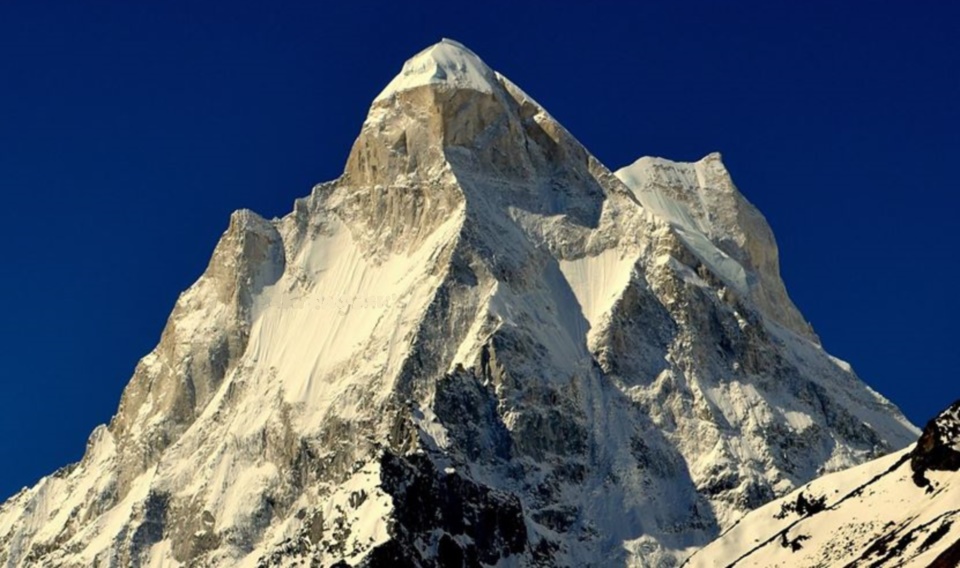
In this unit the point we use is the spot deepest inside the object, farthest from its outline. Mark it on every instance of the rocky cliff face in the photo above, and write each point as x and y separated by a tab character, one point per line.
479	345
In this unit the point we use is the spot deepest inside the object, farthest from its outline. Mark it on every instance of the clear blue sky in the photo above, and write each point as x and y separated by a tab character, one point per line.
129	133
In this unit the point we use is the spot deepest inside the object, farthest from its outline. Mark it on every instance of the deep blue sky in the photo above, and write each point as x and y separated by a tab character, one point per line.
129	133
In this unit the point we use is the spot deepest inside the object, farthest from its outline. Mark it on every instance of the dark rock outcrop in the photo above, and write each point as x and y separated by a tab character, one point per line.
467	524
938	448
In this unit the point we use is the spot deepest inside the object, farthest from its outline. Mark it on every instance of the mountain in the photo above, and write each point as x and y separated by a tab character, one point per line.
477	346
899	510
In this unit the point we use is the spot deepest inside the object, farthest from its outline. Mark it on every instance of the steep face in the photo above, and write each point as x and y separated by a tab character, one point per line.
899	510
204	337
476	346
720	226
110	489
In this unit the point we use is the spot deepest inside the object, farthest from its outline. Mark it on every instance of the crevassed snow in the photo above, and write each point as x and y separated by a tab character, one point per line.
447	62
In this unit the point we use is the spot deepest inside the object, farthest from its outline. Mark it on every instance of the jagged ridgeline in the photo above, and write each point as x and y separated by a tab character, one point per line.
477	346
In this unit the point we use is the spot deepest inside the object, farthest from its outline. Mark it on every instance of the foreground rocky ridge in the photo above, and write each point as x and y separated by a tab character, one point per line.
900	510
479	345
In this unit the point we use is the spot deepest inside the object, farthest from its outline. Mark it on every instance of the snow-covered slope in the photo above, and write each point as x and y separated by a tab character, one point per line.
478	345
899	510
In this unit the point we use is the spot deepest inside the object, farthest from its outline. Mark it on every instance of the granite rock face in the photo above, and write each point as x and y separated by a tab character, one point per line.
478	346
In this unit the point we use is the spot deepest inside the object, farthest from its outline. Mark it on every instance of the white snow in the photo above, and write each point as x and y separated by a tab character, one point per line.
347	317
430	426
719	262
597	281
476	335
237	501
799	421
446	63
161	556
368	525
549	310
110	526
638	177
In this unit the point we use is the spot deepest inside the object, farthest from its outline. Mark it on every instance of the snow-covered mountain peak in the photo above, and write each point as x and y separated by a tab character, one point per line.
447	63
476	347
451	123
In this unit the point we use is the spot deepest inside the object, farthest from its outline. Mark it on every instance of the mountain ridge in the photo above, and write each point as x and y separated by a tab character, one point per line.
899	510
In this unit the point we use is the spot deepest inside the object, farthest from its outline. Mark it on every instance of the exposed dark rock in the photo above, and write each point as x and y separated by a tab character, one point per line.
449	553
151	529
428	502
949	558
807	507
934	537
469	412
794	544
936	449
